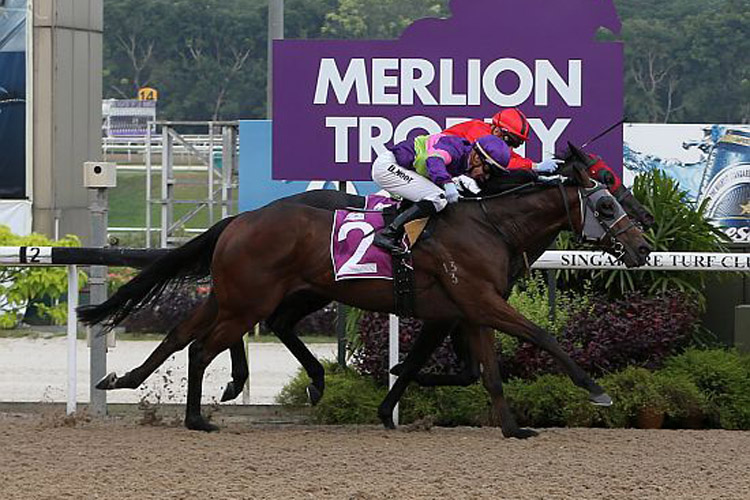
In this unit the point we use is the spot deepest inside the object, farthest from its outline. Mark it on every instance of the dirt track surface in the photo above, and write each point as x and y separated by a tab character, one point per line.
42	457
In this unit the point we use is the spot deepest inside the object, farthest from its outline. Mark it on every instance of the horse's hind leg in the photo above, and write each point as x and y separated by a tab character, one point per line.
224	333
483	347
468	374
176	340
240	372
282	321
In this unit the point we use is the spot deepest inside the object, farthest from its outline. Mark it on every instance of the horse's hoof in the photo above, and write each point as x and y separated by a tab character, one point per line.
313	394
229	392
387	419
200	424
520	433
397	369
602	399
108	382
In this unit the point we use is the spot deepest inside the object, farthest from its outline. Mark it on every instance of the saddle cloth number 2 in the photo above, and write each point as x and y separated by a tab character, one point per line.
353	265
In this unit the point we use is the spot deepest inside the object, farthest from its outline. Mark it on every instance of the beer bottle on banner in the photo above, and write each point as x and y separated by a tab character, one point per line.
726	184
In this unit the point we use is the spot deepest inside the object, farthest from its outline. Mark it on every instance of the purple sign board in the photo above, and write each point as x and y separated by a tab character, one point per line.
338	103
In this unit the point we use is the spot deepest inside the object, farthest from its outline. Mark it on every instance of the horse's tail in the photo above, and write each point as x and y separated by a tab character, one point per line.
189	262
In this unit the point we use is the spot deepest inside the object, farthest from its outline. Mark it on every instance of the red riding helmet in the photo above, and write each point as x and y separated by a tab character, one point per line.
514	122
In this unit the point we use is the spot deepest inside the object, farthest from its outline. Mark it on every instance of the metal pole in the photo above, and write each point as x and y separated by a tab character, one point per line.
148	184
98	294
72	340
392	356
229	159
166	185
210	173
275	32
341	315
246	387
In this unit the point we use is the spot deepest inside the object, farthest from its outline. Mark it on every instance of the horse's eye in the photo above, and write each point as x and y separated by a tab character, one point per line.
606	208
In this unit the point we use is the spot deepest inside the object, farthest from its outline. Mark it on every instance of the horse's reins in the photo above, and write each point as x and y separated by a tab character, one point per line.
495	226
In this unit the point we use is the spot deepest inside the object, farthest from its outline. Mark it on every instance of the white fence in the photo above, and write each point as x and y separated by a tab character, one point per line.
659	261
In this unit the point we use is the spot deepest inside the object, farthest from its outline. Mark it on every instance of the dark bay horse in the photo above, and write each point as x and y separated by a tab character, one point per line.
283	266
296	306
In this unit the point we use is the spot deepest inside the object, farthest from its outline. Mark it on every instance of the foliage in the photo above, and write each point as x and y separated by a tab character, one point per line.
712	383
372	357
374	20
682	60
632	389
530	297
685	403
723	377
20	286
543	401
680	227
349	398
208	59
118	276
611	335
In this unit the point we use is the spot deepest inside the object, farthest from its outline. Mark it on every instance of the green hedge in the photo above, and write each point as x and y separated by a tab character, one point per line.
700	388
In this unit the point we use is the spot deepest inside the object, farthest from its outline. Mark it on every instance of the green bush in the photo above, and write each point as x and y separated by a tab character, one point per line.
632	389
447	406
711	386
723	378
543	402
685	404
21	285
530	297
349	397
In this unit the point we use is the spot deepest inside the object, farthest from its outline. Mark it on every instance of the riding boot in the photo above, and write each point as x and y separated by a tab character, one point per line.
389	237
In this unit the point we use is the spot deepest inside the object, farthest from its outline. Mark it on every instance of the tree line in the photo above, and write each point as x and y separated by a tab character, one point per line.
685	60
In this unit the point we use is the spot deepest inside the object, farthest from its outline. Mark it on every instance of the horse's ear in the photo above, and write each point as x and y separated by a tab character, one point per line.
574	151
581	175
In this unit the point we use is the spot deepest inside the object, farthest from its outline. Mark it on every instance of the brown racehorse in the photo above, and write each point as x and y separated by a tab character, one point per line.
287	262
297	306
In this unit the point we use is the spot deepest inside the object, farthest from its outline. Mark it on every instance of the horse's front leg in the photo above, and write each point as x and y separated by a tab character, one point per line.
491	310
483	348
427	341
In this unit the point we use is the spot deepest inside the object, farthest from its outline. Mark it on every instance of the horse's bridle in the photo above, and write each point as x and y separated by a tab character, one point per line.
599	227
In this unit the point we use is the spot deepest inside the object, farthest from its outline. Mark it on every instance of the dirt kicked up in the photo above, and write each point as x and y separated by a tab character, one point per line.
48	457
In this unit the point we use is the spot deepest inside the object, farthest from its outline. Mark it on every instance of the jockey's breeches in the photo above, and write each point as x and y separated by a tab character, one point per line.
405	183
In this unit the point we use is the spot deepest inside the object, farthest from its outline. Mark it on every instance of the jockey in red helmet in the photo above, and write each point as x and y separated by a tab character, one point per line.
511	126
422	170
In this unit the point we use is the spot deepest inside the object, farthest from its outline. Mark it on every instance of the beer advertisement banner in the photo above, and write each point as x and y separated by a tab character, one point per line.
12	99
338	103
711	162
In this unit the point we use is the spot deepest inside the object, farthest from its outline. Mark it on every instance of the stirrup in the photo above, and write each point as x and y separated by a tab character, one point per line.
388	243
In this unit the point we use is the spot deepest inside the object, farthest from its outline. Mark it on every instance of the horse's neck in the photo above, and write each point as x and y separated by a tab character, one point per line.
533	221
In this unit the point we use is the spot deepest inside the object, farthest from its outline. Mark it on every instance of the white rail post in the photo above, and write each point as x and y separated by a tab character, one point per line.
392	356
72	338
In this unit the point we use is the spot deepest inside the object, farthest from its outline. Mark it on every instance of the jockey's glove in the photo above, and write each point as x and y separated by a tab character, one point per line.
547	166
466	183
451	192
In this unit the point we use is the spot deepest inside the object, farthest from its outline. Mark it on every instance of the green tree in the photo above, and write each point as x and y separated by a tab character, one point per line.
383	19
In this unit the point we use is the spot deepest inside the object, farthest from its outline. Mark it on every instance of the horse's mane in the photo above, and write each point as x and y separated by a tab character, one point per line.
522	181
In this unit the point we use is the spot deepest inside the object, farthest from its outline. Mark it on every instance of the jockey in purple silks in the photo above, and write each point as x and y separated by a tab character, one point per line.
422	171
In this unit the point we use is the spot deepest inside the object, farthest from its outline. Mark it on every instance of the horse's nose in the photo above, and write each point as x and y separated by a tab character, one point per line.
644	250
